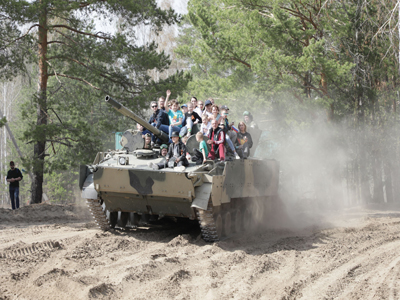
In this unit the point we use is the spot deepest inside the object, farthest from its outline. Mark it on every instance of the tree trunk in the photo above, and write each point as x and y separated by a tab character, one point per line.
40	146
388	182
377	177
324	88
307	89
4	148
356	181
365	193
395	168
13	140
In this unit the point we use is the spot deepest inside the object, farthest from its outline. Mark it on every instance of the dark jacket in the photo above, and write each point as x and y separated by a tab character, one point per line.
194	115
159	117
219	133
181	151
226	127
14	174
240	136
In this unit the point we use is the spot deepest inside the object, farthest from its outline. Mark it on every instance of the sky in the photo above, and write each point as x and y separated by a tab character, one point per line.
180	6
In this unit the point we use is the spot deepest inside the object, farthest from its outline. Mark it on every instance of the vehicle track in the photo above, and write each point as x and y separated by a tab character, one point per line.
98	213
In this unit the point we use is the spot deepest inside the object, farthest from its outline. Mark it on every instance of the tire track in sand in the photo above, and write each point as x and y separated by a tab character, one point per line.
355	275
29	250
7	235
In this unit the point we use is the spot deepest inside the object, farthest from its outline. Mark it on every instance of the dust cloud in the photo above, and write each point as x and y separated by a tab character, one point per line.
319	161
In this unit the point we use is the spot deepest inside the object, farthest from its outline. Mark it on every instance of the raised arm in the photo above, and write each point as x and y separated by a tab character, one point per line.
166	101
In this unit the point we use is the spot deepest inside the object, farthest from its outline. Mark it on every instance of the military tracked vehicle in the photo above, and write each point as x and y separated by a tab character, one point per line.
224	197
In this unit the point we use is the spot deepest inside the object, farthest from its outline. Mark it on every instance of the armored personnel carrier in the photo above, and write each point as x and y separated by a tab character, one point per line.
224	197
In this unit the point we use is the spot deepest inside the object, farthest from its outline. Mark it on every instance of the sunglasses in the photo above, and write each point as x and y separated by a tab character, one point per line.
154	106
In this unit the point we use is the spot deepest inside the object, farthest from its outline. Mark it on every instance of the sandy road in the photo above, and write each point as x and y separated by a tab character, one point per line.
56	252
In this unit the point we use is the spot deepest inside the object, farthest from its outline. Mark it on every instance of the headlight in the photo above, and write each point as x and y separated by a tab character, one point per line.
123	160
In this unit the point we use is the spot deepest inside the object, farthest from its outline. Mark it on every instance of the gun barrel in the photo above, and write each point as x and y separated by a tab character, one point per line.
130	114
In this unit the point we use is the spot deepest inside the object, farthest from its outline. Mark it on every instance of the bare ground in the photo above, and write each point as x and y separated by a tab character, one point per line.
56	252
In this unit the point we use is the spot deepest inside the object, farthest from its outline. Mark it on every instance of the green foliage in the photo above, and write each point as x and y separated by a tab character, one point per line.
262	49
289	61
61	186
67	120
3	121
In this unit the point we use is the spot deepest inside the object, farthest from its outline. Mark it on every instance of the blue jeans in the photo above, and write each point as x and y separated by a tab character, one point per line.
14	195
228	140
163	128
184	129
145	131
173	129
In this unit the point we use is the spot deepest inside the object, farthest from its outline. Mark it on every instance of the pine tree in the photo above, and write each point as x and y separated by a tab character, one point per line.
60	37
267	47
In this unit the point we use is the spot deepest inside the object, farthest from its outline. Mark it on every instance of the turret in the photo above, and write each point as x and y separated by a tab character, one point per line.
130	114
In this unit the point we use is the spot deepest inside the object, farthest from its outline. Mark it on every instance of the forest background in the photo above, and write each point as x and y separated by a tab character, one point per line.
321	77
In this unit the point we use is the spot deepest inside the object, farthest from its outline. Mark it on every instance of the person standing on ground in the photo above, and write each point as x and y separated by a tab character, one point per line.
14	176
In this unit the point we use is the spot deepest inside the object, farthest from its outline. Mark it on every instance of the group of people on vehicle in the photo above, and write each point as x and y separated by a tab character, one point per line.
178	120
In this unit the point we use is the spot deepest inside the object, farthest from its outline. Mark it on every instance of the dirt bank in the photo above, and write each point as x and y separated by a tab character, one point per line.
56	252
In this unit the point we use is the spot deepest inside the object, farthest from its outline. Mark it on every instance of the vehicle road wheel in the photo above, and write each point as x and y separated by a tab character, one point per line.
134	219
113	219
238	221
123	219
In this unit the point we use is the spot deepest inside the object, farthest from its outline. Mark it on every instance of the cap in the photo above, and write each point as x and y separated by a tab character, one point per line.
224	107
208	102
163	146
246	113
183	105
175	134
